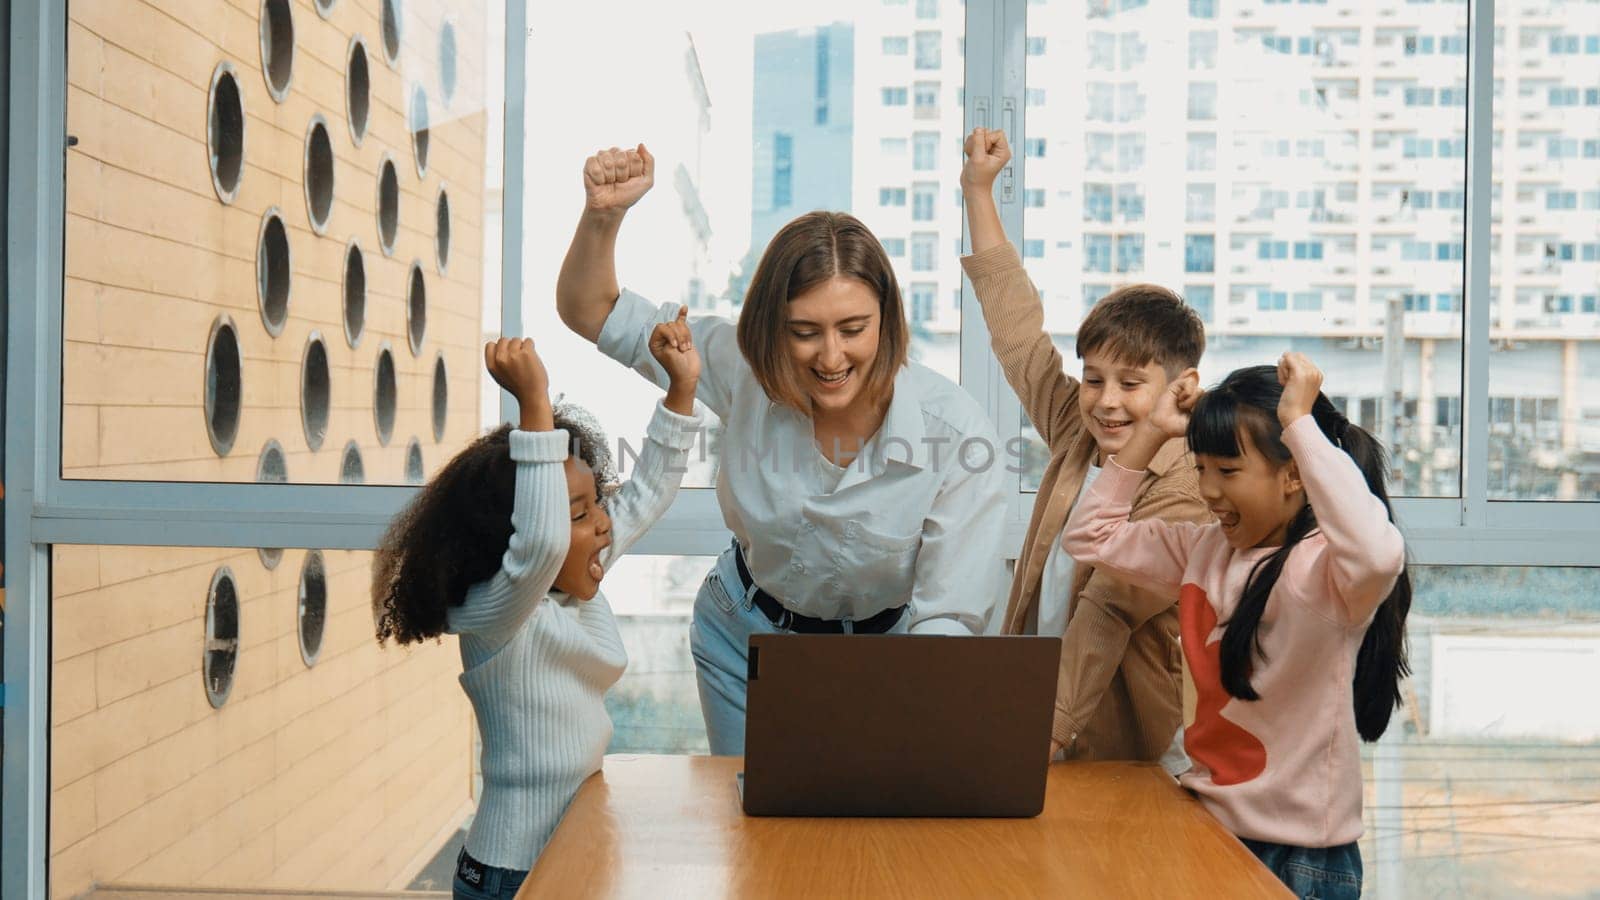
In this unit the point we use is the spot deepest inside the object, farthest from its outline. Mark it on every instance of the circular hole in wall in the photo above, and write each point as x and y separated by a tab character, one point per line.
357	89
441	399
441	230
315	391
277	47
391	31
319	174
355	293
388	205
325	7
351	471
225	132
221	651
311	612
416	309
414	470
273	270
447	61
384	395
271	468
419	129
224	376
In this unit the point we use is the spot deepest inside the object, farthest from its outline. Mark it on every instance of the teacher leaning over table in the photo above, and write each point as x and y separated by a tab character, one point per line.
864	491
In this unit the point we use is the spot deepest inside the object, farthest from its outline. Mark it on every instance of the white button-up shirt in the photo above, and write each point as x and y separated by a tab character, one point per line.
918	518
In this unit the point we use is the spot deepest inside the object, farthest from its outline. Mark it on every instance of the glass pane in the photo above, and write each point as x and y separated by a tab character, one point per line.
655	708
1544	368
282	235
756	113
1301	185
219	723
1486	782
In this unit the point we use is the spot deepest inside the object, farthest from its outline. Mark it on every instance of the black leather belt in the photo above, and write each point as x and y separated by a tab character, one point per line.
793	621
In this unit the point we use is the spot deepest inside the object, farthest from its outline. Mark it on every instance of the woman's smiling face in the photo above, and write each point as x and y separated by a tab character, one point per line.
833	335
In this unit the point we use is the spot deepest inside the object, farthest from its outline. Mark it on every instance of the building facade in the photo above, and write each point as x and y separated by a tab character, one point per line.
1296	171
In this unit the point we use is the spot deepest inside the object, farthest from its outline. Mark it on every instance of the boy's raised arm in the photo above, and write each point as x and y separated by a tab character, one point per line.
987	154
1010	302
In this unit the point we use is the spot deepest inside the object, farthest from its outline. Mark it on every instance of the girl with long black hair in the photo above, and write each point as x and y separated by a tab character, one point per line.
1292	607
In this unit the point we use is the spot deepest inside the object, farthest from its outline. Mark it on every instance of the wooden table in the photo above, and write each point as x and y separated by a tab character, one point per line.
671	826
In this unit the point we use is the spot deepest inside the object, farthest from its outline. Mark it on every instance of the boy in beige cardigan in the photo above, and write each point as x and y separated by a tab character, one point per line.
1119	694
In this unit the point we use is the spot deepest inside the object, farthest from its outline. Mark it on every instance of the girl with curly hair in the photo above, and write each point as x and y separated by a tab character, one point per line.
488	551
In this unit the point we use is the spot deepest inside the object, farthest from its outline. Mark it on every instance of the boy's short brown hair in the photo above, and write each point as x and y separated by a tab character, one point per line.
1144	323
806	252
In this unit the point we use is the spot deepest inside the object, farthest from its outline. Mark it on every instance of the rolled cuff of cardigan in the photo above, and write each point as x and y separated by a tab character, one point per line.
993	261
1065	732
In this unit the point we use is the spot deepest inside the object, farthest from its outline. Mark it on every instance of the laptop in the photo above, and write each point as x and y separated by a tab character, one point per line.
898	725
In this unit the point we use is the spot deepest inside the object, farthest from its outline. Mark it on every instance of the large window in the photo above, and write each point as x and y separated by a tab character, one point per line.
249	298
928	55
280	249
1472	790
276	260
1544	373
1293	253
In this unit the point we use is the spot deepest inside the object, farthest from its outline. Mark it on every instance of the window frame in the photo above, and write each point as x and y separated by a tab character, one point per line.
43	509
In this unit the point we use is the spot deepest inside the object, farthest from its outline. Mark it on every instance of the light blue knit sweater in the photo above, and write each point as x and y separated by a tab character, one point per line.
536	663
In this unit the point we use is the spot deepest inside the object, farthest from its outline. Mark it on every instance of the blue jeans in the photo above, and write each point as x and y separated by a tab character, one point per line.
725	615
476	881
1313	873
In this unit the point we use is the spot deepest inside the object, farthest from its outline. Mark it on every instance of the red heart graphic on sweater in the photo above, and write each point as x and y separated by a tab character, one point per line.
1232	754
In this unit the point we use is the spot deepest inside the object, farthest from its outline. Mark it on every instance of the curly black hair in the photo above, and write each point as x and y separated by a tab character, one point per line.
454	533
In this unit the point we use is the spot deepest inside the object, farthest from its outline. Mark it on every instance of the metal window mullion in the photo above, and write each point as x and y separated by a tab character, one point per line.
177	527
36	137
1475	343
1427	512
1485	547
981	91
512	200
1011	81
225	501
49	279
697	530
1517	534
994	79
156	529
1582	519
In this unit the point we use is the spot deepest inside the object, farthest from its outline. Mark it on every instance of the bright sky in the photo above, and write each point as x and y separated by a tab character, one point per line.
594	86
617	79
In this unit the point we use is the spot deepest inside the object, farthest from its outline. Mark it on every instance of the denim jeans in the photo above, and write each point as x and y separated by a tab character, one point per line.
1313	873
476	881
725	615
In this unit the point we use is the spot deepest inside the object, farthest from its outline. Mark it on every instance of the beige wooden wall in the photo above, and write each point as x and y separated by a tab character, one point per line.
153	256
348	773
342	775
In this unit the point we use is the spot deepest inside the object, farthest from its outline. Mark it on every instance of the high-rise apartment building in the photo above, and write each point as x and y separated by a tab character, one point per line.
1296	170
802	127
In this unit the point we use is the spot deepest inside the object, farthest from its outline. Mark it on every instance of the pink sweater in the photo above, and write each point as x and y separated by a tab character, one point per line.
1287	767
